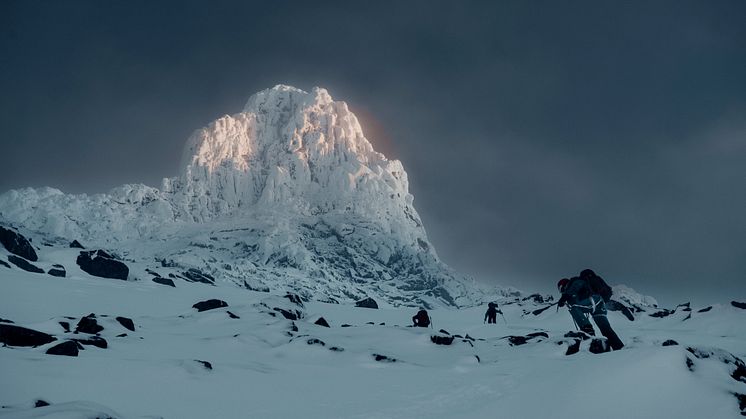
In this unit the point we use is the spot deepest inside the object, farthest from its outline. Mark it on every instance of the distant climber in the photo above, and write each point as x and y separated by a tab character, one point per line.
587	294
421	319
491	315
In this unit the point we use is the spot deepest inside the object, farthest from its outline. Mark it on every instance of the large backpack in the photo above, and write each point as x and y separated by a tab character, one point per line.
598	285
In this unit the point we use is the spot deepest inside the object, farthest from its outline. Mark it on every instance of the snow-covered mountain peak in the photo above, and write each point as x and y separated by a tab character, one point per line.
293	149
288	194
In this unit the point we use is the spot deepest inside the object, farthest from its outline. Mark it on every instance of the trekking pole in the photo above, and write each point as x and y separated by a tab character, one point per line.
502	315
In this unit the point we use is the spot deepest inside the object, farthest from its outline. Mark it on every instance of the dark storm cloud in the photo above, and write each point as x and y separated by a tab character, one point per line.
540	137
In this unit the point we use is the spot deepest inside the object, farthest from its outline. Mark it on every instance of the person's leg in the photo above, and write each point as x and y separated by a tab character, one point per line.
578	315
601	320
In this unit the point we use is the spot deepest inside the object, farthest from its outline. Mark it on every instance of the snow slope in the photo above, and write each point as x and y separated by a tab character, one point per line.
262	368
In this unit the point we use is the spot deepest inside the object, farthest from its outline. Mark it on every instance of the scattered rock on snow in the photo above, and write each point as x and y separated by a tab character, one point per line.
336	349
76	245
127	323
207	365
232	316
321	322
41	403
65	325
315	341
102	264
704	310
574	347
4	263
441	340
12	335
66	348
577	334
290	315
383	358
88	324
58	271
24	264
738	304
663	313
209	304
195	275
96	341
295	299
367	303
670	342
164	281
599	346
17	244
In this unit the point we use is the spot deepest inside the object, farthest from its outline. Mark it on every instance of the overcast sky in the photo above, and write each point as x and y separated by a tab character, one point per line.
540	138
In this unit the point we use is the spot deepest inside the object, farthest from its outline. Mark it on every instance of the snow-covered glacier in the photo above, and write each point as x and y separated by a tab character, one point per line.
288	194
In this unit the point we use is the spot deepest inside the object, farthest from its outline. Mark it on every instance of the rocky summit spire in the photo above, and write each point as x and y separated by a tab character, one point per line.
287	194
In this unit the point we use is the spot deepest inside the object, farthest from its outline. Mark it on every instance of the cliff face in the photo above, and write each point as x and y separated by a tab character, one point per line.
286	194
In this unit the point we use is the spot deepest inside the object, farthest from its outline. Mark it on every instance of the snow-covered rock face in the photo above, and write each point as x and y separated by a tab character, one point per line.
286	195
295	151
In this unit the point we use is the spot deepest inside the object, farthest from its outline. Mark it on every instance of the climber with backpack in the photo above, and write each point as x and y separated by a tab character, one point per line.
421	319
588	294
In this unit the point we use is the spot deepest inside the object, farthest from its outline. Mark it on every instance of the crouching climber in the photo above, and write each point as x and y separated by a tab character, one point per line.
421	319
587	294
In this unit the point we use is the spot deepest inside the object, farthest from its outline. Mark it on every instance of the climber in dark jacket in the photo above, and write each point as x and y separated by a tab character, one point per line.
421	319
491	315
581	300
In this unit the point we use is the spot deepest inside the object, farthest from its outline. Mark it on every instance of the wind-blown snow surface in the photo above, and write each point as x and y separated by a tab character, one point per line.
262	368
286	194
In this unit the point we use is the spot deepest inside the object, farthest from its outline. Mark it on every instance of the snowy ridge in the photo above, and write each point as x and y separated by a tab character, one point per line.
287	194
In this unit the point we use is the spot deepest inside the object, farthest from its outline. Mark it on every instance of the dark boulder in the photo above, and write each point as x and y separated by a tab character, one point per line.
195	275
521	340
17	244
207	365
295	299
704	310
4	263
232	316
367	303
663	313
12	335
441	340
290	315
536	298
670	342
41	403
88	324
58	271
164	281
65	325
127	323
102	264
67	348
599	346
76	245
578	334
96	341
574	347
314	341
738	305
209	305
321	322
336	349
24	264
383	358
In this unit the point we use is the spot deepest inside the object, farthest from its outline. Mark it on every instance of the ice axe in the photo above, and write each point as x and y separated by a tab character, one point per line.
541	310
